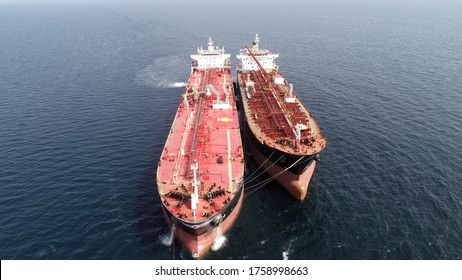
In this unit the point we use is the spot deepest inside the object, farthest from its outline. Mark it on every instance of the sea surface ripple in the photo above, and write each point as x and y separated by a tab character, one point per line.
88	93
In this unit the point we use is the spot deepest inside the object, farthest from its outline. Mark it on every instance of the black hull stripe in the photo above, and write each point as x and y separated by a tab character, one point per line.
285	159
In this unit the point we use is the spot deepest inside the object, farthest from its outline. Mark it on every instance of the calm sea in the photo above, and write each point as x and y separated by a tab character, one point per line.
88	93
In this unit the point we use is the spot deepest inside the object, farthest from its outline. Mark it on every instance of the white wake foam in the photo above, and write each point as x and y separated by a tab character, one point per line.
165	72
219	241
167	239
285	253
177	84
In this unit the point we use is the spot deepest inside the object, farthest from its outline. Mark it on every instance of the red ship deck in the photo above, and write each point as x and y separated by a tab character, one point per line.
206	135
273	119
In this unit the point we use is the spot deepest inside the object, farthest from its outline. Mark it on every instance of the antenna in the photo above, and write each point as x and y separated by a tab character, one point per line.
210	44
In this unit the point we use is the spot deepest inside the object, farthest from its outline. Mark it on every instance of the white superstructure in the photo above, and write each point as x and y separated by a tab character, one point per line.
212	57
264	57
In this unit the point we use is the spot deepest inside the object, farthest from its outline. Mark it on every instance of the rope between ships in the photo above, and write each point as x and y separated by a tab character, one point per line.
247	180
266	168
266	181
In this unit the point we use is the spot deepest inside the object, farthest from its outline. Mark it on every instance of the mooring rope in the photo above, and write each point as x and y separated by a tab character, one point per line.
265	169
248	178
263	183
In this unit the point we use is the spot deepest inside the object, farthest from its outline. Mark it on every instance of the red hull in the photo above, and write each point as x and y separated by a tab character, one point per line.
198	245
296	184
284	137
201	169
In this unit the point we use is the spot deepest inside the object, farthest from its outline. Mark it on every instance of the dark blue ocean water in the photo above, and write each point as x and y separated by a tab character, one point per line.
88	94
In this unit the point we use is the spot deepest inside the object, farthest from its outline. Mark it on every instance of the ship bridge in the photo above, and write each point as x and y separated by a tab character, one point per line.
264	57
212	57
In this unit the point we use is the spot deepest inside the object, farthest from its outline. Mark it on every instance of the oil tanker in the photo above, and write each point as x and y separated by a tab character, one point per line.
200	172
282	135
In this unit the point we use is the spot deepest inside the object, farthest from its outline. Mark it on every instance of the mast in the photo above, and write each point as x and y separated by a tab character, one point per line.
260	68
256	42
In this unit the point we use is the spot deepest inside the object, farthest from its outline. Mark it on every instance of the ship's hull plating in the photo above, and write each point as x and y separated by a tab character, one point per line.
198	238
291	171
295	179
201	169
284	138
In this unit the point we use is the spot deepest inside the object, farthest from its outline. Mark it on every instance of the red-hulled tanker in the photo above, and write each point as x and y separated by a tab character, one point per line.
283	136
200	173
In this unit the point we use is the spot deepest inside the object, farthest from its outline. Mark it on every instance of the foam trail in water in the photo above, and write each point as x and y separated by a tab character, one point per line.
285	253
177	84
167	239
219	241
164	73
